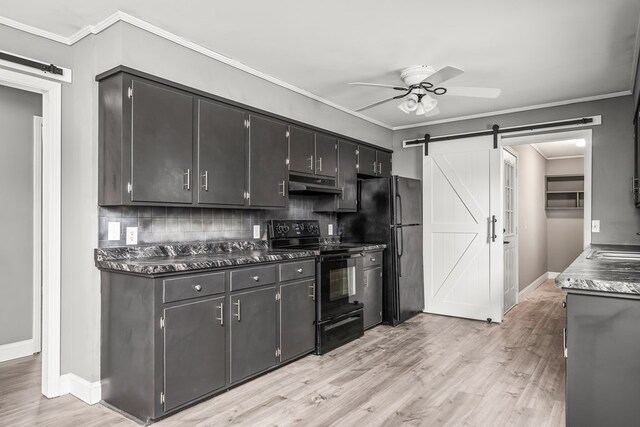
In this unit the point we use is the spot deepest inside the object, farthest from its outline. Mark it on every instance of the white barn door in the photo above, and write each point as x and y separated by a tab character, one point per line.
463	245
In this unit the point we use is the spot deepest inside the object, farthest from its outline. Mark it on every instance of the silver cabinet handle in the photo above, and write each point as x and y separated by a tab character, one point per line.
374	167
256	278
312	289
187	184
310	163
283	183
299	270
237	310
198	288
380	168
204	185
221	318
493	228
319	164
342	193
372	259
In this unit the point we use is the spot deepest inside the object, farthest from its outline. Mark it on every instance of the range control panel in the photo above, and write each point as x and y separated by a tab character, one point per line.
291	228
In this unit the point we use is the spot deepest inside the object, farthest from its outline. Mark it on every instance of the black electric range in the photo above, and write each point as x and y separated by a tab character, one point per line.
339	314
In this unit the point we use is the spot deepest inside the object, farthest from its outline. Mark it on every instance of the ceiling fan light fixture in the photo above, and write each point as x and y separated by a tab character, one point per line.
428	104
410	104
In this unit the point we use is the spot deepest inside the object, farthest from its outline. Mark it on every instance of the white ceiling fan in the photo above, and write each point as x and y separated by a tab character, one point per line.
423	81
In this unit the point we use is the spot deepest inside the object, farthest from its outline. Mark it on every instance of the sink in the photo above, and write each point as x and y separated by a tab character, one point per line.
615	255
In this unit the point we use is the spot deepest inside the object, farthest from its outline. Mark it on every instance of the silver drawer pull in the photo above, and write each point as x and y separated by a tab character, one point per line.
372	259
238	311
256	278
299	270
221	318
198	288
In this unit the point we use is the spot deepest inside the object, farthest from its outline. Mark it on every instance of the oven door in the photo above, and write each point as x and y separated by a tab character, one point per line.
340	281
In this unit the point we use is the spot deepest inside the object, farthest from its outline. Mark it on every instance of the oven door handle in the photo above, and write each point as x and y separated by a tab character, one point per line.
340	257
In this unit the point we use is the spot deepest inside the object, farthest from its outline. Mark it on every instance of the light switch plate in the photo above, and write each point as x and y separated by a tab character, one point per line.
256	231
114	231
595	226
132	235
330	230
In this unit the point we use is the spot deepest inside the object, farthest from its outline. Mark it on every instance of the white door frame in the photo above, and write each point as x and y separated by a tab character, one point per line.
516	213
587	135
37	234
51	219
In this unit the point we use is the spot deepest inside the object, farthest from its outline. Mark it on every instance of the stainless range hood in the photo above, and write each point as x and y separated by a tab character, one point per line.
300	184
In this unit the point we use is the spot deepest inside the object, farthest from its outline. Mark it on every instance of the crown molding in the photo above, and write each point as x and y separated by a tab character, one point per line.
516	110
33	30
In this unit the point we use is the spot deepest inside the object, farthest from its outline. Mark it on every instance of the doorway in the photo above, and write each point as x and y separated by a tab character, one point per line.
554	201
51	99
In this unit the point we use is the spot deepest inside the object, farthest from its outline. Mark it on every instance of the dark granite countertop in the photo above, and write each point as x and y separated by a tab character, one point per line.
602	275
161	259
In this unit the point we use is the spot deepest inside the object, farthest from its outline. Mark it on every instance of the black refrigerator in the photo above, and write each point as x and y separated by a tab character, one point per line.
390	212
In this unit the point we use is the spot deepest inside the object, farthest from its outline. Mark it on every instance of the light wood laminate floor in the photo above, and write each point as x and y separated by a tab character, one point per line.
432	370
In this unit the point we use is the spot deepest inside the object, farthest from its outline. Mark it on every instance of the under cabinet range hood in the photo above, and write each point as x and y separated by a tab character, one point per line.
300	184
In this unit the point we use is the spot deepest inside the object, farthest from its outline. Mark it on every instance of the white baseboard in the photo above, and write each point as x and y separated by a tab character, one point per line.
16	350
84	390
533	285
553	274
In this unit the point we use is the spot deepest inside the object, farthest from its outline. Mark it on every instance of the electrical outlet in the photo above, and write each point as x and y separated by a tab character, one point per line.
114	231
256	231
595	226
132	235
330	230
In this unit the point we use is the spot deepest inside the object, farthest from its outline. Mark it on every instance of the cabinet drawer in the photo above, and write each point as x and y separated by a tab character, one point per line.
252	277
372	259
297	270
182	288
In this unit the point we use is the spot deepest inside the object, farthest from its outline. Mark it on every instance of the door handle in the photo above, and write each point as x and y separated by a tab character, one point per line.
506	242
221	318
493	228
379	168
312	288
237	314
399	251
204	185
374	167
283	183
319	164
399	209
310	163
187	185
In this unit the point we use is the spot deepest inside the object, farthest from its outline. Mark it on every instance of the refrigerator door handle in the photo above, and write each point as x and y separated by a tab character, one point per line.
398	212
399	250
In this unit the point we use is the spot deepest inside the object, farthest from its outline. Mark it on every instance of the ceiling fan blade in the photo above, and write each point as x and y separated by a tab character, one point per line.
442	75
433	112
377	103
378	85
477	92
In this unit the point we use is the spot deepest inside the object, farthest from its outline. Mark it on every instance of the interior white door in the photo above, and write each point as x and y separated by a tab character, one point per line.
463	229
510	229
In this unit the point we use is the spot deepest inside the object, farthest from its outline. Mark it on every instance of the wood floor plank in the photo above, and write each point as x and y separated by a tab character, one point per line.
431	370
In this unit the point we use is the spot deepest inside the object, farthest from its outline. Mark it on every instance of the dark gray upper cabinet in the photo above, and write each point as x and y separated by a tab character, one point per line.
297	319
384	163
326	155
252	320
194	351
374	163
161	144
267	163
301	150
347	176
221	154
367	164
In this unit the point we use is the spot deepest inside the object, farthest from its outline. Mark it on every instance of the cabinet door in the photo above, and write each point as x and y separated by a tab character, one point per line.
297	319
372	297
194	351
384	163
301	146
326	155
347	176
267	163
253	332
221	154
367	164
161	144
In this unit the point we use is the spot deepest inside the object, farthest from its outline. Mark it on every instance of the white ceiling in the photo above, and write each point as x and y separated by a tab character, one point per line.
537	52
560	149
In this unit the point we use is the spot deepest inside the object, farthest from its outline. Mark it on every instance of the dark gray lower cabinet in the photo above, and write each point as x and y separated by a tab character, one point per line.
252	332
297	317
372	297
603	361
194	351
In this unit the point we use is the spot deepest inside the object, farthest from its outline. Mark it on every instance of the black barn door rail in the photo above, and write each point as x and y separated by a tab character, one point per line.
49	68
495	130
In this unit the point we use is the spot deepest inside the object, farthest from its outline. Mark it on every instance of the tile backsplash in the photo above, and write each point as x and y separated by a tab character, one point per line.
181	224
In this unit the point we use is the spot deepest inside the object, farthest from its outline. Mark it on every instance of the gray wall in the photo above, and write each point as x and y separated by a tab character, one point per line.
17	108
612	168
565	228
532	222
